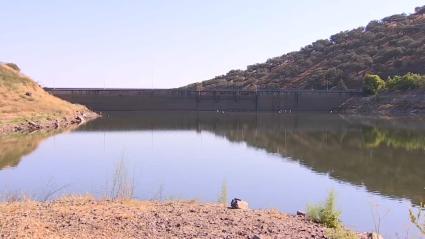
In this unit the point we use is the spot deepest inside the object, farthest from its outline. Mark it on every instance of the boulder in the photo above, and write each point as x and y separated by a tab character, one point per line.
237	203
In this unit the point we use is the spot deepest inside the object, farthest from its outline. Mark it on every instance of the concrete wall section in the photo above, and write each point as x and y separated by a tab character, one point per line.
168	100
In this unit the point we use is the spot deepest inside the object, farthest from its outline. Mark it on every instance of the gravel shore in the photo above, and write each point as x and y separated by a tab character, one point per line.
85	217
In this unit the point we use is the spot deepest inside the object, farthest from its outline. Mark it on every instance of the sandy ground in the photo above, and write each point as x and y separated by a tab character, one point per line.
84	217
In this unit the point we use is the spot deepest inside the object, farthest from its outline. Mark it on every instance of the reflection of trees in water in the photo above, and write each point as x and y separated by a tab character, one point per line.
393	164
400	139
14	147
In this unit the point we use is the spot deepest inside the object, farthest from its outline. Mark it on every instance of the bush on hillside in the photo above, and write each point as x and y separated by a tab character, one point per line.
373	84
13	66
407	82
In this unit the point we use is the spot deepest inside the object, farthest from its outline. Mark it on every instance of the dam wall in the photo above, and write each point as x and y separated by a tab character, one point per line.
186	100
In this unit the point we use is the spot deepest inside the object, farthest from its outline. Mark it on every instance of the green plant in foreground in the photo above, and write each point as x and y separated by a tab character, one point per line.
373	84
325	213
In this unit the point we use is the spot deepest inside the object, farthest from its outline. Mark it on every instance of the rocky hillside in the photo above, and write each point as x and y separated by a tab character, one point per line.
24	105
394	45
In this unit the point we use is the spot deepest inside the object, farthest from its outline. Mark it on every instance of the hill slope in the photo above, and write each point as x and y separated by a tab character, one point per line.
394	45
24	104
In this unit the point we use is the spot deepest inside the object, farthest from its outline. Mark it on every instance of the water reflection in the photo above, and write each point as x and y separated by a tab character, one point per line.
14	147
386	156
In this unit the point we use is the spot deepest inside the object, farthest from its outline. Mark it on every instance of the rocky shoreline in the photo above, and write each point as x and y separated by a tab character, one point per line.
50	123
86	217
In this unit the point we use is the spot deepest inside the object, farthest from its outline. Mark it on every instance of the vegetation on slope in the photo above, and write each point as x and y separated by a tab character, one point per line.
373	84
23	100
392	46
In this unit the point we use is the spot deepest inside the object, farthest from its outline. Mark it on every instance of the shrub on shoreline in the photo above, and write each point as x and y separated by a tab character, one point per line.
325	213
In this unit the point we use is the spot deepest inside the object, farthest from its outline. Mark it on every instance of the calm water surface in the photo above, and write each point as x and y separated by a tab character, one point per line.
376	167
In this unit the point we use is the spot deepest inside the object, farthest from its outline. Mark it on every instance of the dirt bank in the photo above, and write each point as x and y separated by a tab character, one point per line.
396	103
84	217
25	106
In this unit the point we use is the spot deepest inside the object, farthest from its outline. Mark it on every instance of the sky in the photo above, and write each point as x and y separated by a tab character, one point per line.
166	44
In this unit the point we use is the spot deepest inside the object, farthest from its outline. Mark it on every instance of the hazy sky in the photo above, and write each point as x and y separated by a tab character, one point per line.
162	44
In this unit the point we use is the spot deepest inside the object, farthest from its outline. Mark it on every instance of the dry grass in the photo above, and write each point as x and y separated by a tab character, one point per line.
23	99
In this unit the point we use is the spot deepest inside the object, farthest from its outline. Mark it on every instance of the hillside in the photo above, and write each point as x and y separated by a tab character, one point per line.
24	105
394	45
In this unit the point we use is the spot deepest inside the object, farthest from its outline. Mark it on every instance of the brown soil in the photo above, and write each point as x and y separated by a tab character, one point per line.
84	217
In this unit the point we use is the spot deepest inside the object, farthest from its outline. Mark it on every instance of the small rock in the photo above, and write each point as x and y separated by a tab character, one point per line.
18	128
374	235
237	203
79	120
28	94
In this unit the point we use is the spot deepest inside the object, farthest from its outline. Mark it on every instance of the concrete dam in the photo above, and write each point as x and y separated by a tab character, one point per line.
189	100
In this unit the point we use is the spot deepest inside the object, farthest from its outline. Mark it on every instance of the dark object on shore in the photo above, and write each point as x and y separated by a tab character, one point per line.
374	235
33	126
28	94
78	120
260	237
237	203
301	213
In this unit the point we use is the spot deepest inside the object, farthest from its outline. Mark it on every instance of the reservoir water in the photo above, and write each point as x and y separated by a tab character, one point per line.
376	167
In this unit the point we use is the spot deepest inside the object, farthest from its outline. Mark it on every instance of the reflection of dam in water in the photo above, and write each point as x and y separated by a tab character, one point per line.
384	156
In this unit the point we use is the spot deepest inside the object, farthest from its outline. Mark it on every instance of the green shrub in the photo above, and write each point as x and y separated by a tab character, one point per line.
373	84
325	213
406	82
